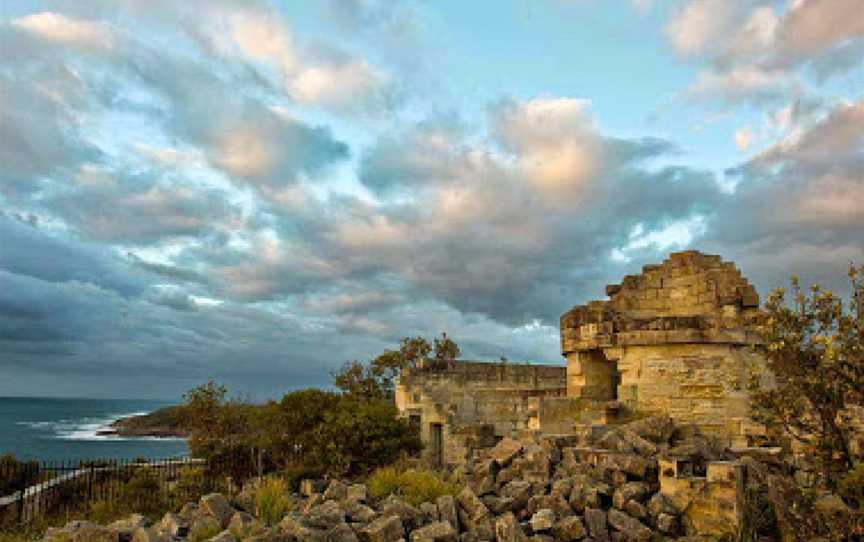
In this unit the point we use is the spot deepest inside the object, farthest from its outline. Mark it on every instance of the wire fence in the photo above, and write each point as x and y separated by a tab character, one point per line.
31	491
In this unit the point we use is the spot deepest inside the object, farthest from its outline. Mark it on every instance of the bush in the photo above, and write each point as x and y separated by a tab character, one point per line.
271	500
416	486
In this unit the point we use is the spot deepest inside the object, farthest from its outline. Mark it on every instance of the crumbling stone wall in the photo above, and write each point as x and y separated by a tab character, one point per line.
676	339
472	403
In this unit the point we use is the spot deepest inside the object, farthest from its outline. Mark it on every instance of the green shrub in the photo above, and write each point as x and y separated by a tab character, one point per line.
416	486
271	500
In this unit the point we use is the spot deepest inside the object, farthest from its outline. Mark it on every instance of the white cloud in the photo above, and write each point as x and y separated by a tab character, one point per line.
743	138
59	28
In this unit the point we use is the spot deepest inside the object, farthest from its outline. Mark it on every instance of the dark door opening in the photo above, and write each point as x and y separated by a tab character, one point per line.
437	443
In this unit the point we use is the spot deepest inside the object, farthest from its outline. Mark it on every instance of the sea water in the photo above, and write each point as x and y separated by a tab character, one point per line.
67	430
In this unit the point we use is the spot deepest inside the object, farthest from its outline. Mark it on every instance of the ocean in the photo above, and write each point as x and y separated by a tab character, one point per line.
66	429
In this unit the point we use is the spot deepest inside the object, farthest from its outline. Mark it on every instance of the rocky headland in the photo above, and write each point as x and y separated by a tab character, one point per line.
166	422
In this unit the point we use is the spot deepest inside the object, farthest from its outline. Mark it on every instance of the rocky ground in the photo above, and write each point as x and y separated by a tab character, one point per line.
521	490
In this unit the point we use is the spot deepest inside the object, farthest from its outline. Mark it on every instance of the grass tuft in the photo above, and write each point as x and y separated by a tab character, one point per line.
416	486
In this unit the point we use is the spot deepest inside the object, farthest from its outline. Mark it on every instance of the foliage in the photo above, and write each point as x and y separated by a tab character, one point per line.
414	485
271	500
359	436
815	350
376	379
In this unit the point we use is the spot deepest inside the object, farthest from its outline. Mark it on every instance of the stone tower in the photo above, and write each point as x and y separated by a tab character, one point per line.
676	339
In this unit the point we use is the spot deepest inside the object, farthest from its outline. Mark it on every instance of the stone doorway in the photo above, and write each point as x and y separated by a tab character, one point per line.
436	441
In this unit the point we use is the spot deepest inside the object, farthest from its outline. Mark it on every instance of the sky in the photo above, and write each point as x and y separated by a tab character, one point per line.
257	192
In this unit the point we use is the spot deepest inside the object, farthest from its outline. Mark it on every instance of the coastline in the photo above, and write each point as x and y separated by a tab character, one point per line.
164	423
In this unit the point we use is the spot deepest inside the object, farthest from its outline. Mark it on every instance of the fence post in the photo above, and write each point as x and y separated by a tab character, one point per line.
22	492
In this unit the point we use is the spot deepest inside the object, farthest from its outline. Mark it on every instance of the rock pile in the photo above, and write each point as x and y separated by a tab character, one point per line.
601	487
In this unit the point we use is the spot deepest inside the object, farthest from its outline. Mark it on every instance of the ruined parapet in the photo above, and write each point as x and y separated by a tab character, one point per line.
676	339
690	298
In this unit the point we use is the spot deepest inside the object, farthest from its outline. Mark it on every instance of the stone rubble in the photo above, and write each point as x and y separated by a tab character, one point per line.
529	490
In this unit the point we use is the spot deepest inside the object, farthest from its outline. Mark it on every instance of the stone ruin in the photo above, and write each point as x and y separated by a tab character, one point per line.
678	340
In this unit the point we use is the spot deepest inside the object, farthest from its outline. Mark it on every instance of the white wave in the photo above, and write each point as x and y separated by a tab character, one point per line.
88	428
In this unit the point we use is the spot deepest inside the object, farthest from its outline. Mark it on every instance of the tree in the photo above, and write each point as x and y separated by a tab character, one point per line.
377	379
815	350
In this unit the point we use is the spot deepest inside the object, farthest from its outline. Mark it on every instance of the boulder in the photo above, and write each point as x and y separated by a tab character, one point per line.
341	533
216	505
543	520
384	529
569	528
324	516
507	529
336	491
595	520
504	452
631	491
356	493
439	531
447	510
630	528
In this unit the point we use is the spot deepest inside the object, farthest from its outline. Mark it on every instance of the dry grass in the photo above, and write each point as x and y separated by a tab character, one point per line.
416	486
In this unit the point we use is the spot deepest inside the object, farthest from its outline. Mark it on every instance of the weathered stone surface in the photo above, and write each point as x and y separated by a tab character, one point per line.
631	528
631	491
447	510
324	516
595	520
360	513
216	505
569	528
505	451
439	531
543	520
336	491
341	533
356	493
384	529
507	529
224	536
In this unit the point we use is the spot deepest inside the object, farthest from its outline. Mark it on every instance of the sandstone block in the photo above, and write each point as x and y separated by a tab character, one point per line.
384	529
507	529
543	520
569	528
595	520
440	531
217	506
630	528
447	510
324	516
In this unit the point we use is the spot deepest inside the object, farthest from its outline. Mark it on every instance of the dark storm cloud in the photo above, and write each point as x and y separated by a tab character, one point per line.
29	251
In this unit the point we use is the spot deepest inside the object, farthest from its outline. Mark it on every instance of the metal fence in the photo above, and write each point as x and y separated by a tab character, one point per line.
33	490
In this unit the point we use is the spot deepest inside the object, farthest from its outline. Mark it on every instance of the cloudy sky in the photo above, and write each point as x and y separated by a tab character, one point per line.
258	191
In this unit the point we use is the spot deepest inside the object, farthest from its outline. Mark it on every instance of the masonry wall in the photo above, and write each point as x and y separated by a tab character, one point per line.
470	395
